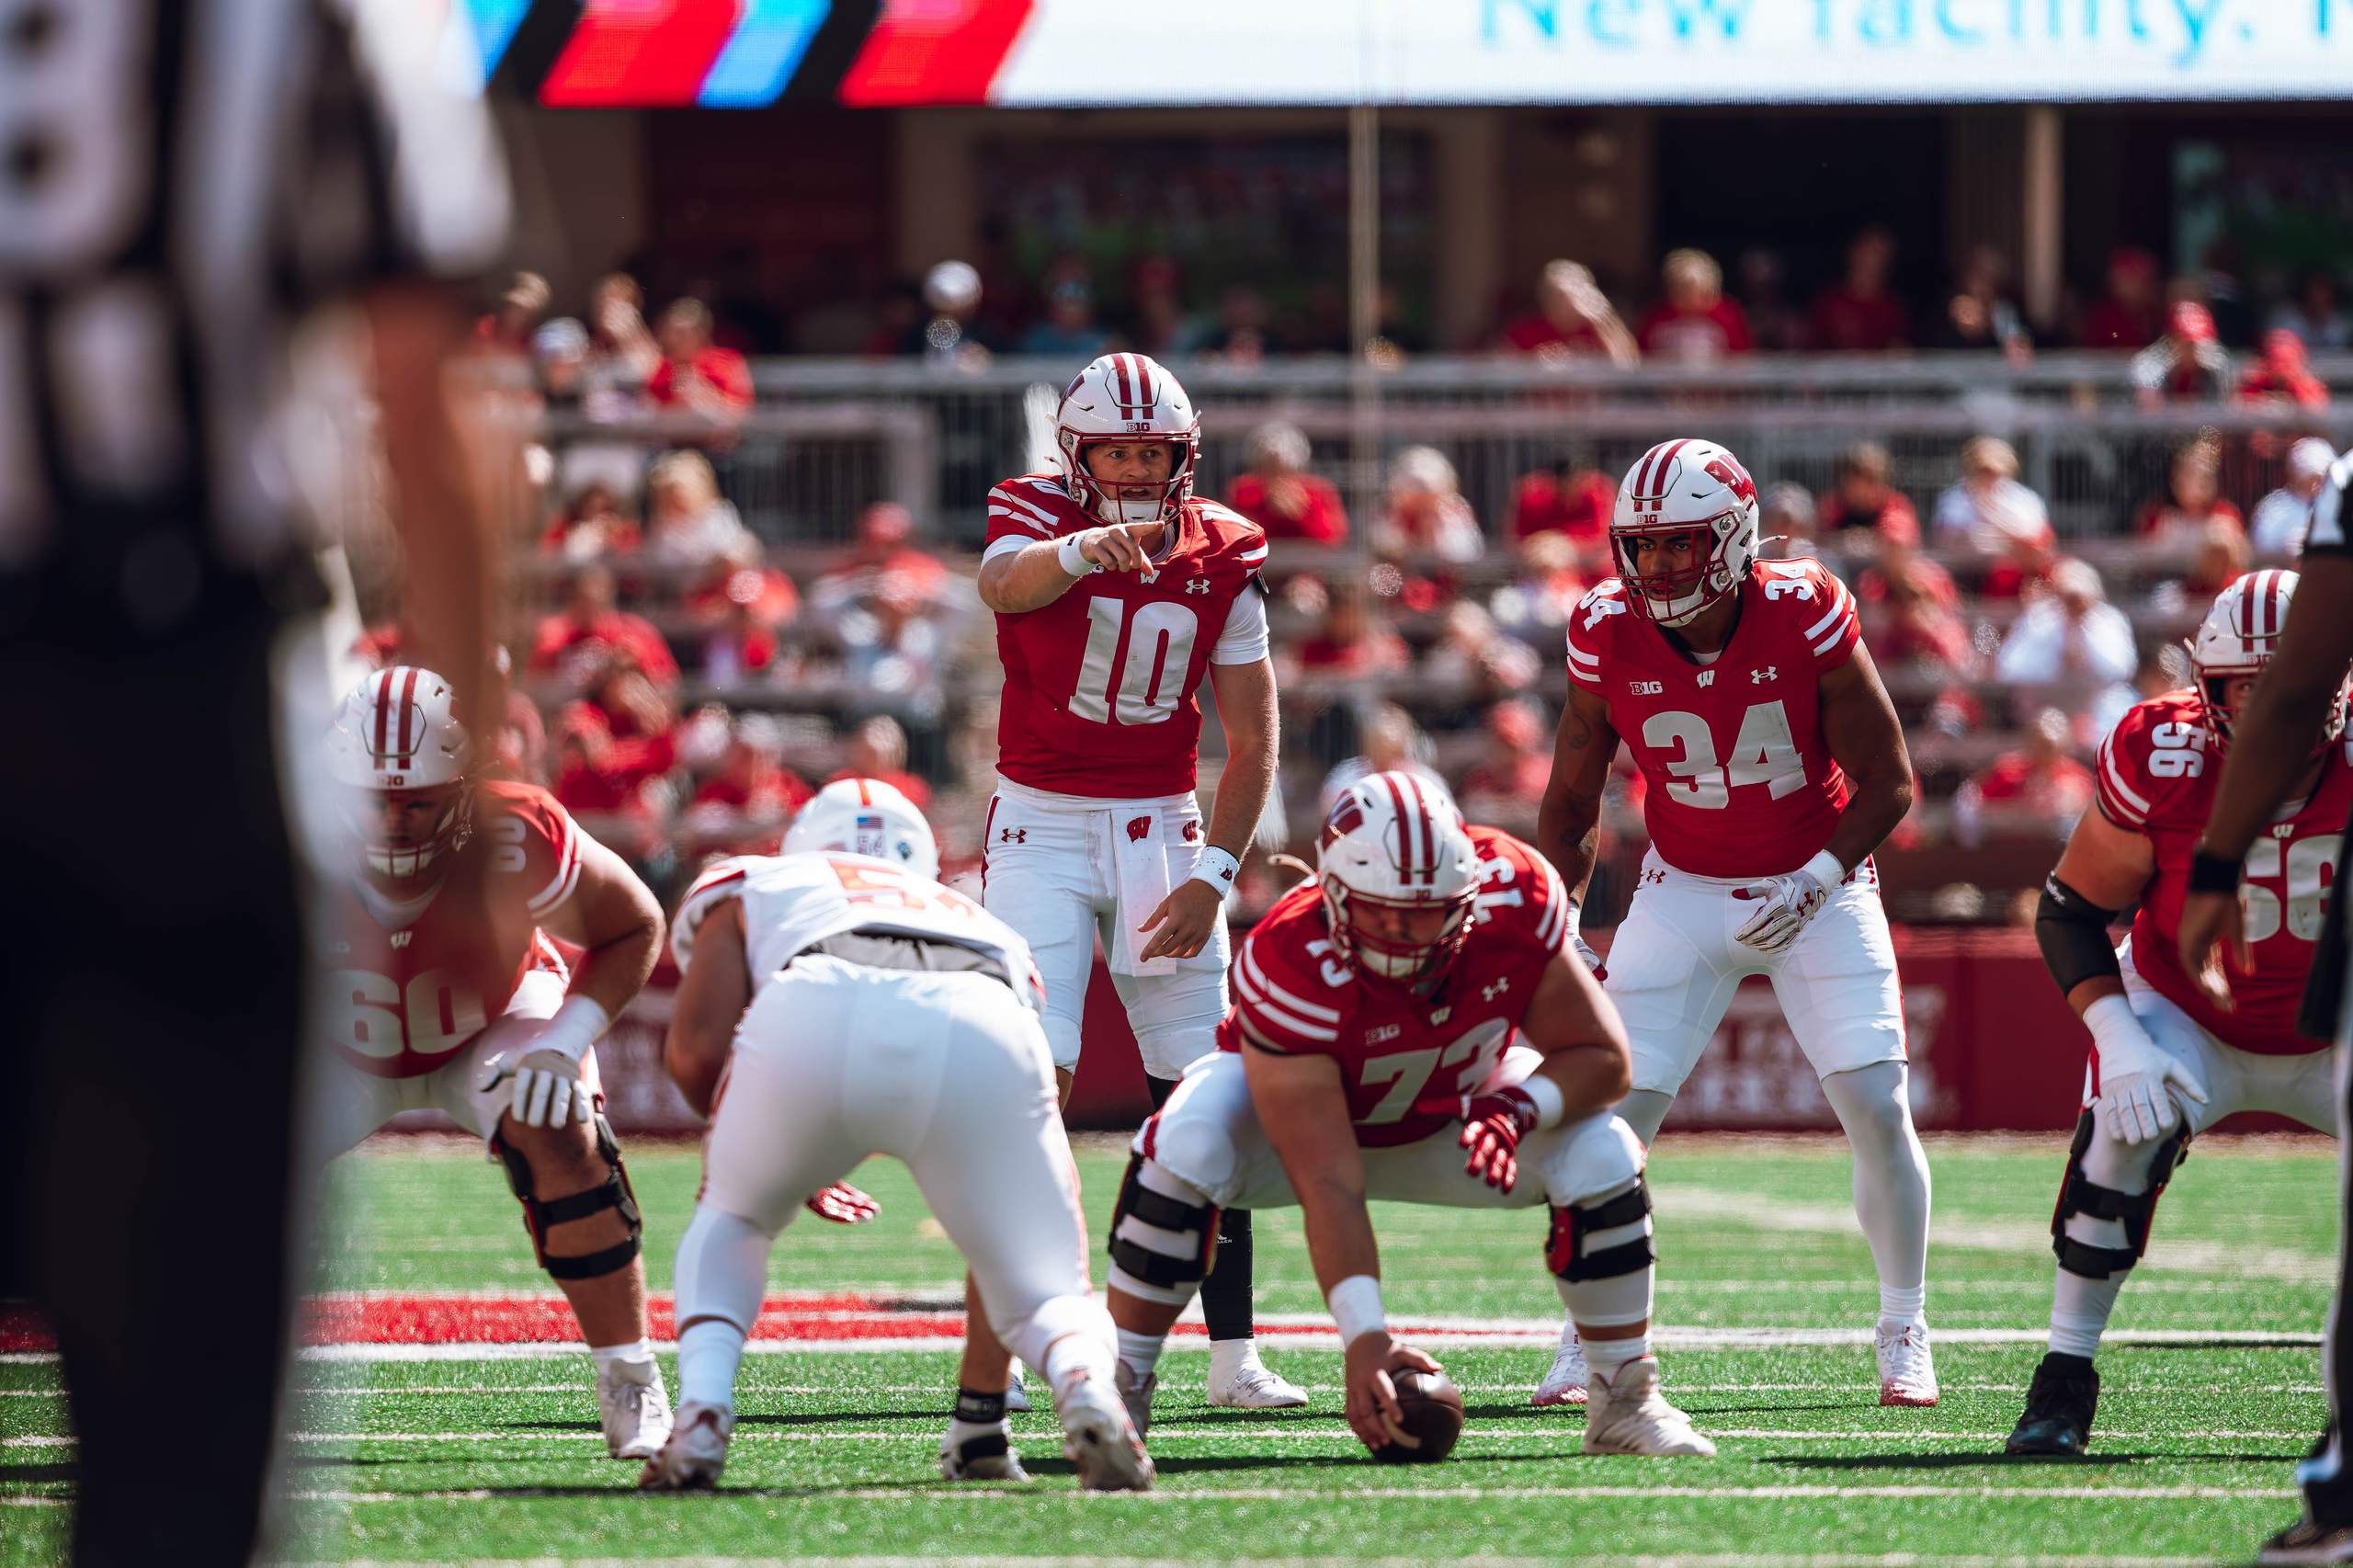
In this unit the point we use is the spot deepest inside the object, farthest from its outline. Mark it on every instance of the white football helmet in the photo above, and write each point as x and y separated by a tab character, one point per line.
1686	487
2238	637
396	737
1396	843
866	816
1126	397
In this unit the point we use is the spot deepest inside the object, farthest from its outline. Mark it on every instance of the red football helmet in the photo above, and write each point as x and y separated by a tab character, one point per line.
1127	397
1685	487
1396	842
397	739
2238	637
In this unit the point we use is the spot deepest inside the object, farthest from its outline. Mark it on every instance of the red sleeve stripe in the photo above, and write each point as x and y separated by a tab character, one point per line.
2130	806
1281	997
567	873
1255	1007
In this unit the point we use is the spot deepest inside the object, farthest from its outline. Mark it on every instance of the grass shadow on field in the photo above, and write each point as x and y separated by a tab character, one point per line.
2002	1460
55	1470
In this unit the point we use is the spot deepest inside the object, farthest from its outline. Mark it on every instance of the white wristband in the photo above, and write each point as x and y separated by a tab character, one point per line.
1546	1096
1067	557
1827	868
1218	868
1576	913
577	1024
1356	1307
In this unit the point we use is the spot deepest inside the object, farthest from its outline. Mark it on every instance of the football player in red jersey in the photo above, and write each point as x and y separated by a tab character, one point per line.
2167	1061
1116	592
1775	766
444	991
1415	1000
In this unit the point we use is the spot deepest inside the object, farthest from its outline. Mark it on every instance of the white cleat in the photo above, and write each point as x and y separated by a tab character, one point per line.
1568	1382
695	1454
634	1408
984	1456
1631	1416
1101	1437
1907	1373
1017	1398
1135	1393
1252	1386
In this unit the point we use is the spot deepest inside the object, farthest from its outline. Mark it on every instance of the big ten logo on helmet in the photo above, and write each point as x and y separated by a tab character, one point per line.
1140	426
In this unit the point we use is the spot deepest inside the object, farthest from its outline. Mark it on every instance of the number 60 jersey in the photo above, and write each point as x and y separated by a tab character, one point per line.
1741	781
1098	685
2157	779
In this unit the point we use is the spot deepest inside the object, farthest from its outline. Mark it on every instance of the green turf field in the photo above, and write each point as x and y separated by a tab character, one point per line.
443	1458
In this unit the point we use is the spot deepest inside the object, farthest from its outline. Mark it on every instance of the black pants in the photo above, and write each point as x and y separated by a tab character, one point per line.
153	980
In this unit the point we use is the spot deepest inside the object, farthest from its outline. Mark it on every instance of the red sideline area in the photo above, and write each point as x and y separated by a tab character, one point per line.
402	1319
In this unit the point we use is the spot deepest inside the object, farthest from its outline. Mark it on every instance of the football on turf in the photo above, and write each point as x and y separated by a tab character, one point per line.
1432	1408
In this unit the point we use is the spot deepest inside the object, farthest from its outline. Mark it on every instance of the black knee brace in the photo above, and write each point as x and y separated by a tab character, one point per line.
614	1193
1197	1222
1565	1253
2078	1194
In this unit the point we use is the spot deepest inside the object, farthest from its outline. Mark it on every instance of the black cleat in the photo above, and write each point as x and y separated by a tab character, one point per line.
2058	1419
2308	1540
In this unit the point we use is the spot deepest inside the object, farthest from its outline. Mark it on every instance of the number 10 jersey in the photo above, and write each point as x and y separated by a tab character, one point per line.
1099	685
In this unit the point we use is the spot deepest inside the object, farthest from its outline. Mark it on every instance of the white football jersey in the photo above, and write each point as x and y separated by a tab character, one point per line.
793	901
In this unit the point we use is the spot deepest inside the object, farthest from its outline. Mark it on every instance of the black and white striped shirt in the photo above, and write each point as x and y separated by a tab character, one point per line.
180	181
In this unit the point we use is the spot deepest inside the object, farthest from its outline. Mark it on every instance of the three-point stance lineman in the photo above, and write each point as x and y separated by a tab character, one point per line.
836	1001
1776	765
1367	1048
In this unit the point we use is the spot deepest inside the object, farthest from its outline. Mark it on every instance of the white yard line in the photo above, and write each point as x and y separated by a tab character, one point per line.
943	1491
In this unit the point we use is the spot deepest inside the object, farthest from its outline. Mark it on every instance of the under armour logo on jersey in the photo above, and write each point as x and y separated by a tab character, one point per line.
400	938
1707	677
1013	836
1198	586
1650	878
1138	828
1758	677
1491	992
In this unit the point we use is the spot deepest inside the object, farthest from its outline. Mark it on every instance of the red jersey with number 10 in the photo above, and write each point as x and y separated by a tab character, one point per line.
1741	782
407	985
1293	993
2157	779
1099	685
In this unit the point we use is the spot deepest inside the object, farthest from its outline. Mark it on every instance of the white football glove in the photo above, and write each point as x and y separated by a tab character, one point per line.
1789	903
2138	1079
547	1091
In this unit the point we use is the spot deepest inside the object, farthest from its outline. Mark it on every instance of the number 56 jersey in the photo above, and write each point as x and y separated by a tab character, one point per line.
2157	779
1099	685
1740	782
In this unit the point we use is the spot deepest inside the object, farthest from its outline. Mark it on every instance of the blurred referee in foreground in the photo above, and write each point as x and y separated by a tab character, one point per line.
180	181
2268	742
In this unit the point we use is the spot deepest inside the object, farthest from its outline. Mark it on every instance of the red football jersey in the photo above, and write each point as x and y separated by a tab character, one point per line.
2157	780
1099	685
405	990
1741	782
1292	992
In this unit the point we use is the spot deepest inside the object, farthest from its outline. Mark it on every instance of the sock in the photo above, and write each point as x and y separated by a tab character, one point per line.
709	1353
1225	1294
1140	1352
1890	1171
1074	1356
1903	1306
2079	1308
1227	1356
977	1414
637	1350
1608	1358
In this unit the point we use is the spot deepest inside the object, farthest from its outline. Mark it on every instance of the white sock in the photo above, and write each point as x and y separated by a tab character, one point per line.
635	1351
1075	1355
1901	1306
1608	1358
1228	1356
1140	1352
2079	1308
1891	1174
709	1353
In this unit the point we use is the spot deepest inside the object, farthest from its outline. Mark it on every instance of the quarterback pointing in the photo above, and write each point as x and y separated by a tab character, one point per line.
1116	591
1775	766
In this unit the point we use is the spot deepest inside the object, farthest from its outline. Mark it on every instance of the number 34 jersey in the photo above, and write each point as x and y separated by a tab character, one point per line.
1293	993
1099	685
1740	780
408	982
2157	779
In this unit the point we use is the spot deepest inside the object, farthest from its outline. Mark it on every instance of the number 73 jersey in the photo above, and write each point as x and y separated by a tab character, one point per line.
1741	782
2157	779
1099	685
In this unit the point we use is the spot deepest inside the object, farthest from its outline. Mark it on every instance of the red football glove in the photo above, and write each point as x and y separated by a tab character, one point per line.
1492	1125
843	1204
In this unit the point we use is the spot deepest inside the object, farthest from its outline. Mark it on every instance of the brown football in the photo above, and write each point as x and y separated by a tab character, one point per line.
1432	1408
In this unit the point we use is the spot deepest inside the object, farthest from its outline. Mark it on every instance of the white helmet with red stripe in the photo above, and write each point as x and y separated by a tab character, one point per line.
866	816
1399	876
2238	637
396	740
1127	397
1692	490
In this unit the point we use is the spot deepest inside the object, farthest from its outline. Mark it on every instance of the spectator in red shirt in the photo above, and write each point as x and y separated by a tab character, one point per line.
2186	364
592	525
878	749
1564	499
1278	493
2037	788
1858	314
508	330
2028	549
1427	511
697	375
1863	499
1573	318
1510	778
2132	314
1694	323
2281	376
599	772
2222	560
1777	325
1350	640
2176	520
752	777
1553	577
590	615
689	523
880	563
